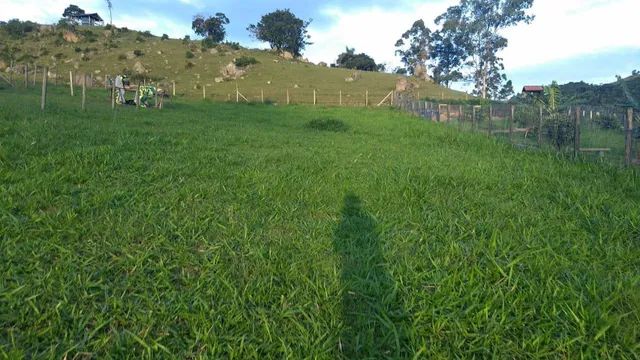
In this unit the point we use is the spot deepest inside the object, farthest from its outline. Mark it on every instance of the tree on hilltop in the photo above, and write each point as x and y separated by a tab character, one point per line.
212	28
283	31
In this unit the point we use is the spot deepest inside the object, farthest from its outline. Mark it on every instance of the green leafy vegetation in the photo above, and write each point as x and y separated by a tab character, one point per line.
328	124
231	231
245	61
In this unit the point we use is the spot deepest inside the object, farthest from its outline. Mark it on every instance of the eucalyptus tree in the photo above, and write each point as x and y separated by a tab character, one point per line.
476	27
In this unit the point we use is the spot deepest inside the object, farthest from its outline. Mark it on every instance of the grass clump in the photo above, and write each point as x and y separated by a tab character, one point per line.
245	61
328	124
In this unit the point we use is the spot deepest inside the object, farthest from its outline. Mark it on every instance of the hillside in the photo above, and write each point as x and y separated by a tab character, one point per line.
623	92
99	52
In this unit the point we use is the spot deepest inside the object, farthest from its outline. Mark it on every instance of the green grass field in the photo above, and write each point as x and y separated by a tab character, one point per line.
211	230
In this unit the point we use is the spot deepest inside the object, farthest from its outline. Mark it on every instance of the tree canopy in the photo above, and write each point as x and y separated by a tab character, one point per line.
212	27
350	60
283	31
473	27
414	47
72	10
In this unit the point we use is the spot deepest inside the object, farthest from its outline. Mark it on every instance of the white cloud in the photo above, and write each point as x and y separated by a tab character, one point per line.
562	29
570	28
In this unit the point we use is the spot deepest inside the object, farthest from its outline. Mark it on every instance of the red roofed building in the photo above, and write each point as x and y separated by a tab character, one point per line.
533	89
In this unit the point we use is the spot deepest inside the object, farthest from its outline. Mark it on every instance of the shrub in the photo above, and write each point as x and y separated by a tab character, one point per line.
189	65
147	34
609	122
58	56
77	49
124	29
138	53
164	37
108	27
208	43
328	124
189	55
16	28
559	130
140	39
232	45
186	39
122	57
245	61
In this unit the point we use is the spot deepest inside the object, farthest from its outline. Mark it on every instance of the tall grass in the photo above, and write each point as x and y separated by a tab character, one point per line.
222	231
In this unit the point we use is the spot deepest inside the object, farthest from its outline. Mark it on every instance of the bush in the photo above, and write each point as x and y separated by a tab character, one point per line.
232	45
17	29
122	57
147	34
559	130
108	27
208	44
124	29
245	61
164	37
189	65
328	124
58	56
77	49
609	122
186	39
140	39
138	53
189	55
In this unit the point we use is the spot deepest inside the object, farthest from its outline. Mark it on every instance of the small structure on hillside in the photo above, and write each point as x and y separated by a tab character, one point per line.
533	89
88	19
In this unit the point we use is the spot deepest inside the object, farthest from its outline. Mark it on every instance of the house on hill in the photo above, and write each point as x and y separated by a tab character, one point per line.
533	89
88	19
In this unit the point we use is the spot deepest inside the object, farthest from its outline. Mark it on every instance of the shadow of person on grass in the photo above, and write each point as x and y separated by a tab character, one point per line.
374	321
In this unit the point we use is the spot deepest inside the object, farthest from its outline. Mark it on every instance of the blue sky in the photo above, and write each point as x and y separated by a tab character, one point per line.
570	40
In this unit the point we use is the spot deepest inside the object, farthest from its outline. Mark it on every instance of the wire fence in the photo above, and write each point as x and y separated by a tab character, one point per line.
599	133
602	133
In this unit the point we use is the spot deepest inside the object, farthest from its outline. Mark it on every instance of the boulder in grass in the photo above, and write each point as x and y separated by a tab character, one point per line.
70	37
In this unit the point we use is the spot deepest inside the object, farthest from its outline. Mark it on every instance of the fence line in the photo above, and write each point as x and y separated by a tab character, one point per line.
605	133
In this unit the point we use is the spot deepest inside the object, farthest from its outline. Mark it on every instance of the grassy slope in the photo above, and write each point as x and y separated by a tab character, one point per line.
235	231
170	65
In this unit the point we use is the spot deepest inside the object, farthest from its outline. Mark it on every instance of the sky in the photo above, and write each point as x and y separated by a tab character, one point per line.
569	40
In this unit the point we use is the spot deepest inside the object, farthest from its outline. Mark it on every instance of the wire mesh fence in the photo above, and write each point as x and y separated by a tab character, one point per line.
593	133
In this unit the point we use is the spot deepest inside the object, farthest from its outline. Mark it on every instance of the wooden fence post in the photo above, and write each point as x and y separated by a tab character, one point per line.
340	97
71	82
628	141
137	97
473	118
174	88
262	95
540	123
314	97
204	92
511	120
490	120
43	98
288	99
35	74
576	139
84	91
113	95
366	98
26	76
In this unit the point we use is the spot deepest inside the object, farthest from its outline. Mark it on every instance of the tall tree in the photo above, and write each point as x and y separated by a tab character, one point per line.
478	23
283	31
212	27
447	56
414	48
110	6
72	10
